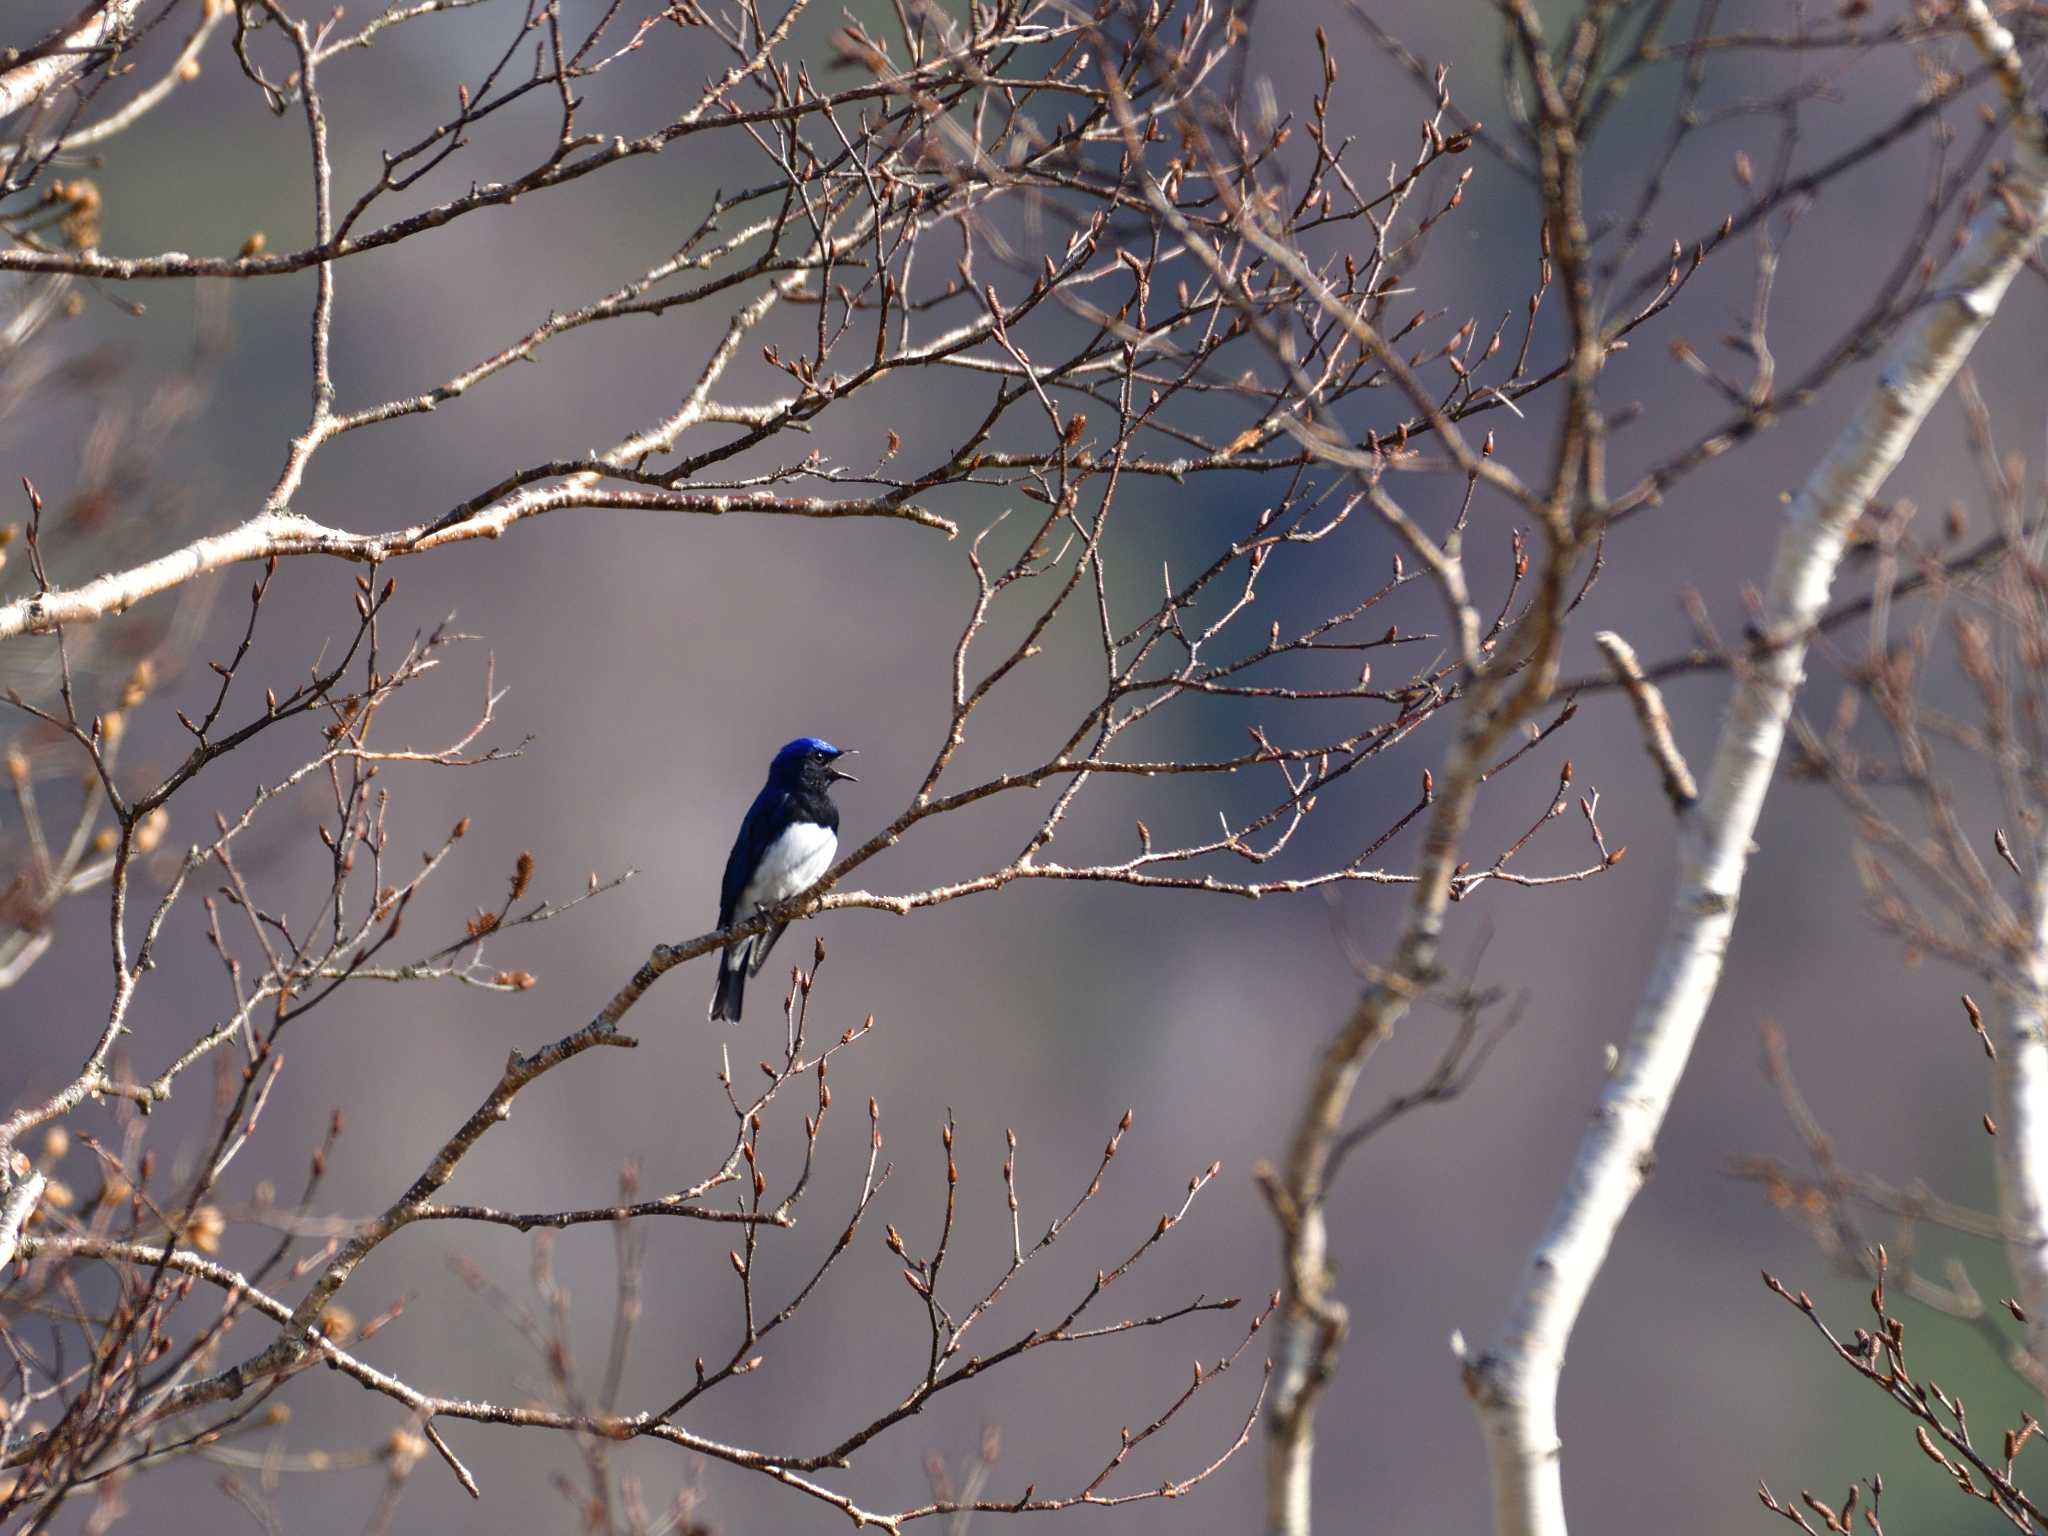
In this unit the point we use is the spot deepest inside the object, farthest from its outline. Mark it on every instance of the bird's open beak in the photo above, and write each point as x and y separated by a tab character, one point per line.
841	773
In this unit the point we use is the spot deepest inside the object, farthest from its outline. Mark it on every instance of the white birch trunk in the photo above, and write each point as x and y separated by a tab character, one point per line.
15	1210
27	83
1514	1385
2020	1097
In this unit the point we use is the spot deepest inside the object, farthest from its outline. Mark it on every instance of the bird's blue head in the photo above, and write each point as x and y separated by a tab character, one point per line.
808	759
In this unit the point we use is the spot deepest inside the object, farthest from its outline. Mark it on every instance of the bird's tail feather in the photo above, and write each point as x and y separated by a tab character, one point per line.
761	946
732	985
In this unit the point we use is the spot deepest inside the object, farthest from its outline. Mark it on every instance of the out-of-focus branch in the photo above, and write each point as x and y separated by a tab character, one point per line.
1503	687
1515	1383
1933	572
1315	1321
1826	1202
1652	717
183	68
64	58
15	1211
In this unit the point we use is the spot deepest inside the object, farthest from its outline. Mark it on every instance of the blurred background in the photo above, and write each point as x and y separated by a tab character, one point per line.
656	661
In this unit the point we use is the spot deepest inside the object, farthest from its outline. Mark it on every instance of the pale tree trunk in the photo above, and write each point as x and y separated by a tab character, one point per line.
1514	1384
99	27
16	1207
2020	1094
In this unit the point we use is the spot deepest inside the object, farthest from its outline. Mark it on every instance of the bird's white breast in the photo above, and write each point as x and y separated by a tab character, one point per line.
792	862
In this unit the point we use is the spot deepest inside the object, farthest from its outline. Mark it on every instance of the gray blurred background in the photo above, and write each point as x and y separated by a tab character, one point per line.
658	660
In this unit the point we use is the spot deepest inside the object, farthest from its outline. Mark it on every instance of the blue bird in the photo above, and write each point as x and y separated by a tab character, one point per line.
786	844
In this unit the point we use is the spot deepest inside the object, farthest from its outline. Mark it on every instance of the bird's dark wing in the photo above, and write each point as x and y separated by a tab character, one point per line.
765	820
